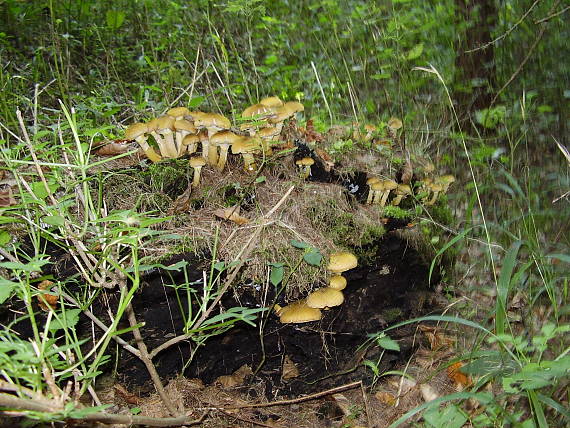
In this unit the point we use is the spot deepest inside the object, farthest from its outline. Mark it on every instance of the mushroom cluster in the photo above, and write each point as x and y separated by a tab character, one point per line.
433	187
379	191
309	309
181	131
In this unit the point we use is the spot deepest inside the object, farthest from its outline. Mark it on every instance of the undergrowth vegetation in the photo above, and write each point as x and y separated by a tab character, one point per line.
76	74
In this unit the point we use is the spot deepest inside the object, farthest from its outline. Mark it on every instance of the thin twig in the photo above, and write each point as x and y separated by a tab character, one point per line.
526	58
553	15
294	400
506	33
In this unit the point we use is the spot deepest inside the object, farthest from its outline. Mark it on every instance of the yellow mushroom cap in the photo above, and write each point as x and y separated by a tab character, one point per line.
190	139
395	123
342	261
207	120
286	111
258	110
184	125
390	184
338	282
178	112
197	161
372	180
224	137
298	312
325	298
165	122
403	189
267	132
305	161
135	130
378	186
271	102
246	145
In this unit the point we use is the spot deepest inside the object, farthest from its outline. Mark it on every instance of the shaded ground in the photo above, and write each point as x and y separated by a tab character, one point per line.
325	352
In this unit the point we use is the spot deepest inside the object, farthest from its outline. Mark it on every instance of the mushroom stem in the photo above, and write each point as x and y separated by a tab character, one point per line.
196	178
249	162
434	198
223	156
370	196
397	200
147	149
384	198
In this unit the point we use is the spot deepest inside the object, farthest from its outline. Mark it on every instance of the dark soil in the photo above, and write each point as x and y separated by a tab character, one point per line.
326	353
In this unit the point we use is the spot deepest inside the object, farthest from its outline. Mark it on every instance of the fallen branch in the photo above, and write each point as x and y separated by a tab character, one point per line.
10	403
292	401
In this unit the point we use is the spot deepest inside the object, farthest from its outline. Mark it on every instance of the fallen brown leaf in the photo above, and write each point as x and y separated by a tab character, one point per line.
235	379
6	198
231	214
46	301
290	370
113	148
461	380
386	398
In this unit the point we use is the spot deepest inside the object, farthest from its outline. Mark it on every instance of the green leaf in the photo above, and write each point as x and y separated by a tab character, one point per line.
415	52
32	266
115	19
313	257
195	102
380	76
299	244
260	179
65	320
277	273
5	238
449	417
54	220
387	343
503	286
6	288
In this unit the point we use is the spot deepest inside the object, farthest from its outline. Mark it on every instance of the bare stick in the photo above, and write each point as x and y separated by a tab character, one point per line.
145	357
242	256
55	409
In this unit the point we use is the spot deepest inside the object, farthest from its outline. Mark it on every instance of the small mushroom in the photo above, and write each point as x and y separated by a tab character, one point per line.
213	122
325	298
267	135
178	113
247	146
190	143
402	190
162	133
341	262
436	188
304	165
223	140
446	181
338	282
377	190
297	312
197	163
286	111
137	132
371	192
183	128
389	185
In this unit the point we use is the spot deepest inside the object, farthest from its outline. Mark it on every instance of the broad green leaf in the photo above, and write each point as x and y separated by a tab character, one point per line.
32	266
387	343
6	288
115	19
67	320
313	257
195	102
416	51
277	273
299	244
54	220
